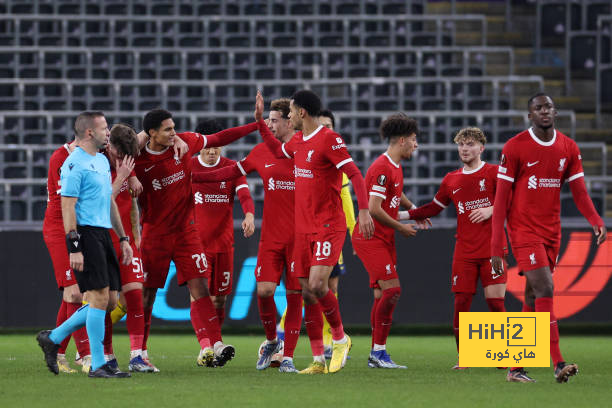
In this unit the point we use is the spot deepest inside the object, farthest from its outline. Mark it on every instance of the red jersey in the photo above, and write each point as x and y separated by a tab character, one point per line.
470	190
279	193
214	206
385	179
124	205
537	170
318	180
53	213
166	201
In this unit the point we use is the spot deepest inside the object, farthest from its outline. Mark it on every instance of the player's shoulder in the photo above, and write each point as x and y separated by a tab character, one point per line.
490	168
225	161
518	139
566	140
60	154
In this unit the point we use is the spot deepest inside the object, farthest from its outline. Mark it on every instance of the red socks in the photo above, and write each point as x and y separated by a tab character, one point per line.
545	304
108	334
199	329
496	304
267	313
203	313
331	308
313	319
373	318
384	314
293	323
80	336
147	326
463	302
135	318
61	318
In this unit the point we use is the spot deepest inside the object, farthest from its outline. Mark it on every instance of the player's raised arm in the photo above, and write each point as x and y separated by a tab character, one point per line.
272	143
232	172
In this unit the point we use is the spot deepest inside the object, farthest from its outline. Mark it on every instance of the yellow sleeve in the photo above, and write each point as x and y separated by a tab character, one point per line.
347	204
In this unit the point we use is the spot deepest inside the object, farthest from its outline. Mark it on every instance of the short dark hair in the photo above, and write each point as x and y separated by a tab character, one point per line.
307	100
281	105
153	119
530	101
209	127
328	114
397	125
84	121
123	138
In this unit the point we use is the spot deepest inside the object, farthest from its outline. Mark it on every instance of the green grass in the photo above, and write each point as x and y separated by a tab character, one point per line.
428	382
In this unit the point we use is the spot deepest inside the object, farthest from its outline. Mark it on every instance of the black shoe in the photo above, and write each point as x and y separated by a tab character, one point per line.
563	371
106	371
225	354
519	375
50	349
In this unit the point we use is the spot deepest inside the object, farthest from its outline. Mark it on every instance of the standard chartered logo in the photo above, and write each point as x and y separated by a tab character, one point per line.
156	184
198	198
395	202
460	207
271	184
532	183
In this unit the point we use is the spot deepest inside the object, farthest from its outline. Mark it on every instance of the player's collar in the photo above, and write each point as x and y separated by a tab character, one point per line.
464	171
538	141
391	160
67	147
154	152
203	163
310	136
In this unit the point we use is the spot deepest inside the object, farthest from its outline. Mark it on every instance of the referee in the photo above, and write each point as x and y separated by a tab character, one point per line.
88	211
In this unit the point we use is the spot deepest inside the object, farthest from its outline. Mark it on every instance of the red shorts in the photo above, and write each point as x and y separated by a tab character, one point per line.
55	239
535	256
220	272
132	273
272	259
464	278
321	248
379	259
184	248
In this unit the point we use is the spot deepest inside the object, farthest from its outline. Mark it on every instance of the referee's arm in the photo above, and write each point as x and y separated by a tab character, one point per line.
70	224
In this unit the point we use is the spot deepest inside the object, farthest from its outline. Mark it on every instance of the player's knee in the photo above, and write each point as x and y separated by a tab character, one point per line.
265	292
393	294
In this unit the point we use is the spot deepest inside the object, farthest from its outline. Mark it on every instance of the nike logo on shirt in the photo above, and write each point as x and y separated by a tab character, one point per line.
397	184
532	164
148	168
454	191
269	165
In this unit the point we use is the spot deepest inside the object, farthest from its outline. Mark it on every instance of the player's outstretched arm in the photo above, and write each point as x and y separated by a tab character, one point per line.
227	173
587	209
230	135
422	223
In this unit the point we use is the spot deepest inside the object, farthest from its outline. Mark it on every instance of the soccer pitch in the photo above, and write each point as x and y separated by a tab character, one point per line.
428	381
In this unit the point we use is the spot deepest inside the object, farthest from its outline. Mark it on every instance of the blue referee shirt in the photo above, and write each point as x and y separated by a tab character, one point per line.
88	178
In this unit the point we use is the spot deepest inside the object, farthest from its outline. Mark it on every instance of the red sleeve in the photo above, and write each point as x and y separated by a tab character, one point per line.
53	184
353	173
336	150
223	174
584	202
195	141
274	145
430	209
574	168
244	195
228	136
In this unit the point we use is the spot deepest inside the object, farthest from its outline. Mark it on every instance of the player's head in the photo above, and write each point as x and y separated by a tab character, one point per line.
123	143
327	119
158	124
278	119
542	111
304	104
92	126
400	132
470	144
208	127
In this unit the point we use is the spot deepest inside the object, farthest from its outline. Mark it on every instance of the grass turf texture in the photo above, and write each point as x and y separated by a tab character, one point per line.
429	380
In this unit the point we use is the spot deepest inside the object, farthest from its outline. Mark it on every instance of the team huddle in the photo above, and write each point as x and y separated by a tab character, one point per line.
123	205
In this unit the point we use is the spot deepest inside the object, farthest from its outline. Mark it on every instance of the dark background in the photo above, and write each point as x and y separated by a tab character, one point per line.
29	295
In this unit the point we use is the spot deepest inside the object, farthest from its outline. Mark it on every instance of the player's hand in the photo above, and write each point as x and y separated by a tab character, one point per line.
259	106
408	230
248	225
135	186
76	261
180	148
423	224
601	233
366	224
124	167
126	253
498	266
481	214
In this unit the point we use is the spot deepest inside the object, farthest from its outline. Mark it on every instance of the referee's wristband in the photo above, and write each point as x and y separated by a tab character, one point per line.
126	239
73	242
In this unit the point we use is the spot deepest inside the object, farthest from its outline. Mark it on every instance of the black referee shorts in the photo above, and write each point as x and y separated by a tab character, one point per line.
100	265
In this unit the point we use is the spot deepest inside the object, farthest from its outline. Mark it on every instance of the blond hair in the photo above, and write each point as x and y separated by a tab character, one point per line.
473	133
